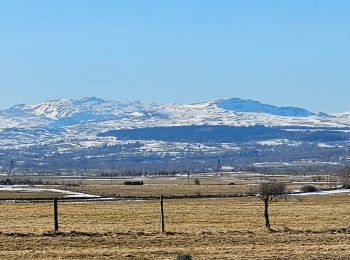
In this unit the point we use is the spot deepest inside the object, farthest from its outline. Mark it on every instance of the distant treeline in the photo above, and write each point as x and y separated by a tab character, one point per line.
206	133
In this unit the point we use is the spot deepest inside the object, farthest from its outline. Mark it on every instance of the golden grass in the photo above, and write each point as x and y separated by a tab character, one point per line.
160	189
170	189
317	227
227	183
223	183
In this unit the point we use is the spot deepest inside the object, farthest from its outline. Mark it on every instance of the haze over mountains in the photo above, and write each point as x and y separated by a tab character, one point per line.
67	126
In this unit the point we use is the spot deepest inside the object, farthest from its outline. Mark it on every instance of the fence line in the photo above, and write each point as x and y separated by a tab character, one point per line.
161	200
119	198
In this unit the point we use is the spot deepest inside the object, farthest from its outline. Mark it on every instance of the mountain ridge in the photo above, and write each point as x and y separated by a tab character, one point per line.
60	108
74	133
249	105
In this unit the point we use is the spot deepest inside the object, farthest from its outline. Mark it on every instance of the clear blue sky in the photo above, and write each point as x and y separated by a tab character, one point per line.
283	52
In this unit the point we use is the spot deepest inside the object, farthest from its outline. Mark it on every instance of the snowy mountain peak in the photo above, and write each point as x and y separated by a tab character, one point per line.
51	109
81	109
252	106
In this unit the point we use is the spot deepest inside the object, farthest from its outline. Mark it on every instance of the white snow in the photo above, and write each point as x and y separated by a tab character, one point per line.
137	114
323	145
278	142
90	116
26	188
329	192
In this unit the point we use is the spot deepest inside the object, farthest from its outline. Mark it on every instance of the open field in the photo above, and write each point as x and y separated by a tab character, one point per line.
226	183
316	227
212	183
160	189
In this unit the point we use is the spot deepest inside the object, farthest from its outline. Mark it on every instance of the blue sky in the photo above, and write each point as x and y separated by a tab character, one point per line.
282	52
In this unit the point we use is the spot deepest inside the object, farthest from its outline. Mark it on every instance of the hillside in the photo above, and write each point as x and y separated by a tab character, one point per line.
68	129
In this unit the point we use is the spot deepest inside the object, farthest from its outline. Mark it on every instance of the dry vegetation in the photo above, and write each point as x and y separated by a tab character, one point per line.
160	189
222	183
227	183
317	227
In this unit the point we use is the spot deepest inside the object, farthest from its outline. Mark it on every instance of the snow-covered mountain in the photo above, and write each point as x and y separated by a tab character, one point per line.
67	108
100	134
67	120
135	114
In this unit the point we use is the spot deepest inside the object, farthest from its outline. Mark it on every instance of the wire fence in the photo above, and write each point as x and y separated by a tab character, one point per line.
162	214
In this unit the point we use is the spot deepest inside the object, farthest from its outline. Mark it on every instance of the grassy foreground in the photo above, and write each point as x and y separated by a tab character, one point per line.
317	227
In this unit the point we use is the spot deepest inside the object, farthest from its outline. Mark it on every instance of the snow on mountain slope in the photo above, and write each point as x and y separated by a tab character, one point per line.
342	115
95	112
69	121
18	121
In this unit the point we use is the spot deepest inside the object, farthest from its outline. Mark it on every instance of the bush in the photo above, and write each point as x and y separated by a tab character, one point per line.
309	188
346	186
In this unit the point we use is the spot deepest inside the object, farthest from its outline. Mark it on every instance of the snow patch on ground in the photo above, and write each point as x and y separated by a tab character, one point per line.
279	142
328	192
26	188
324	145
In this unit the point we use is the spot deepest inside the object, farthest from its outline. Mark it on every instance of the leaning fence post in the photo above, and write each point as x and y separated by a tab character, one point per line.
55	213
162	213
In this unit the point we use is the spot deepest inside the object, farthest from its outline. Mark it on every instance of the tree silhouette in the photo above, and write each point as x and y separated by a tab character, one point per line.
268	192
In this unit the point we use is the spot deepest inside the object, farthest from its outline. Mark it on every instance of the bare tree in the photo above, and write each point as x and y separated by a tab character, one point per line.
344	177
269	191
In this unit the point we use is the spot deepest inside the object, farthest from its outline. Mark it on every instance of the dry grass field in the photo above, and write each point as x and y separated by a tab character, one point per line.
210	183
315	228
160	189
226	183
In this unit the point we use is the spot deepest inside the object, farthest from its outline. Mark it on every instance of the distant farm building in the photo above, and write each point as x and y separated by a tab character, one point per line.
133	182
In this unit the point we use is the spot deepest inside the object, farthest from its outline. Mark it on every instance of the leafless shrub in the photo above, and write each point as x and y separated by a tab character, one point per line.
268	192
309	188
344	177
197	181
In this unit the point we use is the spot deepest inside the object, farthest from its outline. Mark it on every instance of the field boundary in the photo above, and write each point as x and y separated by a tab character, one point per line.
119	198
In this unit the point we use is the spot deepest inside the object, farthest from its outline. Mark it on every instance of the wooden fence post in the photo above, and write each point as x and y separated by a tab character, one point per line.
55	213
162	213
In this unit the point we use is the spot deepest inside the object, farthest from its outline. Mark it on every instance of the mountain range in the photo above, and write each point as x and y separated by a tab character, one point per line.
232	111
67	126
